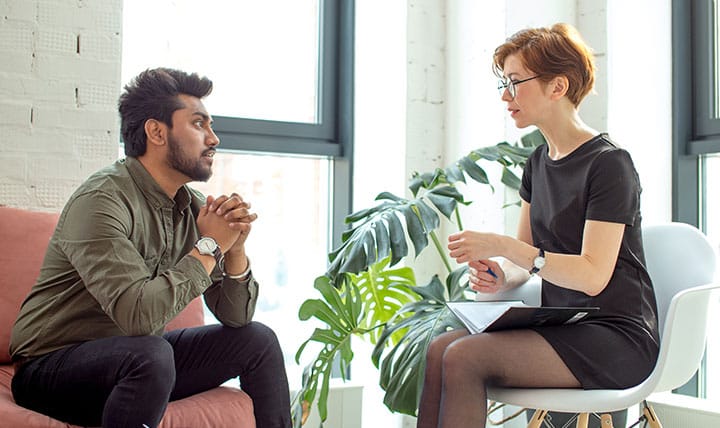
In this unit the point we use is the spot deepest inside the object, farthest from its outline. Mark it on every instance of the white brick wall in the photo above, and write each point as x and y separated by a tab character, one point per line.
59	84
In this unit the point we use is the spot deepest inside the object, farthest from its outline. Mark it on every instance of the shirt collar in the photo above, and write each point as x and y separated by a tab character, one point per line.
152	190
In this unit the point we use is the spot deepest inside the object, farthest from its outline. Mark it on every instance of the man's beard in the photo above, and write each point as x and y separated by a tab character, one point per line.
178	160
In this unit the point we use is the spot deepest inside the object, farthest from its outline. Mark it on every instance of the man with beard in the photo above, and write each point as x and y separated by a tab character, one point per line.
133	247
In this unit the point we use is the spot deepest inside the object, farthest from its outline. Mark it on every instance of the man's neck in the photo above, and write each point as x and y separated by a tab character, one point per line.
167	178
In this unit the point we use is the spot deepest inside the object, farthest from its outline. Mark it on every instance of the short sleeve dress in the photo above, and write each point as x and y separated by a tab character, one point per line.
617	348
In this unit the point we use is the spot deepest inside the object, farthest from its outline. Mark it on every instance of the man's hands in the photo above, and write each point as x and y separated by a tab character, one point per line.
228	220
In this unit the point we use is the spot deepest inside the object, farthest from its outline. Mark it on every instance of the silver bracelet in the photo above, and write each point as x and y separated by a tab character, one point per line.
241	275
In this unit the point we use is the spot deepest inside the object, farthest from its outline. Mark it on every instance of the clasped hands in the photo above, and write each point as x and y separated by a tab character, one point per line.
228	220
475	249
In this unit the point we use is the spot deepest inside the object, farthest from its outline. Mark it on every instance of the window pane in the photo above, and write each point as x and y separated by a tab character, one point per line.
716	60
711	214
289	241
262	56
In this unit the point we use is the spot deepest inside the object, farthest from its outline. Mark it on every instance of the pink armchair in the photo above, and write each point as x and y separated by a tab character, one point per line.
27	233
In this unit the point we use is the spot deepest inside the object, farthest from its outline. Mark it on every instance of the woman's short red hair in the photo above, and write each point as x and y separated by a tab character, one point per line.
551	52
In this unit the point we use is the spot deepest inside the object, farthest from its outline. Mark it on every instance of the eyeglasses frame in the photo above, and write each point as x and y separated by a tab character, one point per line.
510	84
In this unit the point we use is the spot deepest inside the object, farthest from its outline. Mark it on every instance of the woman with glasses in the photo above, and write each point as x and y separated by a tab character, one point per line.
579	229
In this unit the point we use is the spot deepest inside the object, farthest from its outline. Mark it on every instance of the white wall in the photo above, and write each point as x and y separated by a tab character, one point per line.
639	95
59	83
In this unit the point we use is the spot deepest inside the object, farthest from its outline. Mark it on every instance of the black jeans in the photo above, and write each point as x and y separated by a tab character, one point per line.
128	381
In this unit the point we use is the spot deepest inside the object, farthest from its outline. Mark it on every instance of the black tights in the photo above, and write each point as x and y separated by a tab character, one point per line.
460	367
128	381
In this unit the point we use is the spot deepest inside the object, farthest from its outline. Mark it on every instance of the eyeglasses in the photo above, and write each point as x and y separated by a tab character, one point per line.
510	85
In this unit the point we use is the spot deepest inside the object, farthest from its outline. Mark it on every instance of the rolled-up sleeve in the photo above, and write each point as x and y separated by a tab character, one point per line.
231	301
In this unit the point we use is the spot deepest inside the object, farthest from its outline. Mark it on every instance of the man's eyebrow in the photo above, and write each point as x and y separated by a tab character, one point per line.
204	116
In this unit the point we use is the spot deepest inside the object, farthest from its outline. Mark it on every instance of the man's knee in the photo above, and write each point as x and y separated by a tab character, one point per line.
256	333
152	357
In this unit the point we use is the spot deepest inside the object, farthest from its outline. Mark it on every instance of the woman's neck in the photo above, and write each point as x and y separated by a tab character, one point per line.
566	134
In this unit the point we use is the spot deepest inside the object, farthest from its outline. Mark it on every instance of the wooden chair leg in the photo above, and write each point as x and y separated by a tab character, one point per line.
606	421
650	416
537	419
582	420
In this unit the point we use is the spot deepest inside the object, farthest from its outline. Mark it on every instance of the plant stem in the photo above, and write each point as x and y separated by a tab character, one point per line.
441	251
458	219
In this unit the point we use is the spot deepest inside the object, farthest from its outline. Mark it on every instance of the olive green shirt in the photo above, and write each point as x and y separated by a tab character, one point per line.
118	264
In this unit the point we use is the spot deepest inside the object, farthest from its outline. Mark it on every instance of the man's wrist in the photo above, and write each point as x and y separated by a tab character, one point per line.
240	276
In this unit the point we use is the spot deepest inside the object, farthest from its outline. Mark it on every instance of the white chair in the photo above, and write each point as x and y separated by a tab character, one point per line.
681	262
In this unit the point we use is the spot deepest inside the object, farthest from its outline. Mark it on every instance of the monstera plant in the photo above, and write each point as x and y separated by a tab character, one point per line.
366	293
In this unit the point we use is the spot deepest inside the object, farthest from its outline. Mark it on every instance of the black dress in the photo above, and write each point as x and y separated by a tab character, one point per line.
617	348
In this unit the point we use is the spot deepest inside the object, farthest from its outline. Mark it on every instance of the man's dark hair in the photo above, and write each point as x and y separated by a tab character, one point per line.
153	94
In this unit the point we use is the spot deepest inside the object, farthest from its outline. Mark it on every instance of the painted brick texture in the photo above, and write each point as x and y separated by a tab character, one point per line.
59	84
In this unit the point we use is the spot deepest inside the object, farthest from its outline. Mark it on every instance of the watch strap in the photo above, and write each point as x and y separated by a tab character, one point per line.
535	268
219	258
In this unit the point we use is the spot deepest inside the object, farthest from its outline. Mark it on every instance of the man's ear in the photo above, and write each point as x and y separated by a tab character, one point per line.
560	86
156	132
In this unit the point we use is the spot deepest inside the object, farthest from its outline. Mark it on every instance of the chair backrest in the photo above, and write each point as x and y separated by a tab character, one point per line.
678	257
681	262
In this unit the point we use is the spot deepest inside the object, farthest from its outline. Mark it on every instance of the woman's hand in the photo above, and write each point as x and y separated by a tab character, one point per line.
467	246
486	276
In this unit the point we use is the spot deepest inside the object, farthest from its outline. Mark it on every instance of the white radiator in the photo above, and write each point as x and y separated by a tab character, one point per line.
344	407
679	411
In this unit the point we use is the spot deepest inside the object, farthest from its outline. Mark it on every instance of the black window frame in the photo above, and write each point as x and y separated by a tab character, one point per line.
332	135
695	119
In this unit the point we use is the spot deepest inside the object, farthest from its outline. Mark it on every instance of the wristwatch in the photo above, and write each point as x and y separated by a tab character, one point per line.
208	247
538	262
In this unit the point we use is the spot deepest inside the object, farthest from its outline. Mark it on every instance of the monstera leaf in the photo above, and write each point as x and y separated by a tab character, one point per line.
364	295
383	292
364	304
342	314
380	231
403	366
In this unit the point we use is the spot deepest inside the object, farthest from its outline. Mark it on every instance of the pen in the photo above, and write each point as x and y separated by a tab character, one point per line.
490	271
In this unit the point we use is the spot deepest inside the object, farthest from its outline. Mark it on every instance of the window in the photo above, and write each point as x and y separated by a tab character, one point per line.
696	144
282	105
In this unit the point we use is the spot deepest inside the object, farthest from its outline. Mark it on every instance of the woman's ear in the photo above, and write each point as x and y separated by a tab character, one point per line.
155	132
560	86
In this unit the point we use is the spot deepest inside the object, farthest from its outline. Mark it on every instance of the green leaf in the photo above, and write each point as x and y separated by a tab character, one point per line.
415	229
363	294
454	174
445	199
474	171
510	179
384	291
343	315
533	139
402	368
398	244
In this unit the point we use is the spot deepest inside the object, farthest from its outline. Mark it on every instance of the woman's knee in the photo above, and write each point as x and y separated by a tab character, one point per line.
472	356
439	345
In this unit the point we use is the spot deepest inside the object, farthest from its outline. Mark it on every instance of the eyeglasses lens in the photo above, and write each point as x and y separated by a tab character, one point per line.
506	84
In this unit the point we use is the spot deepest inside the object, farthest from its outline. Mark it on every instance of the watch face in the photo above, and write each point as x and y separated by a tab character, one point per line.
539	262
206	246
